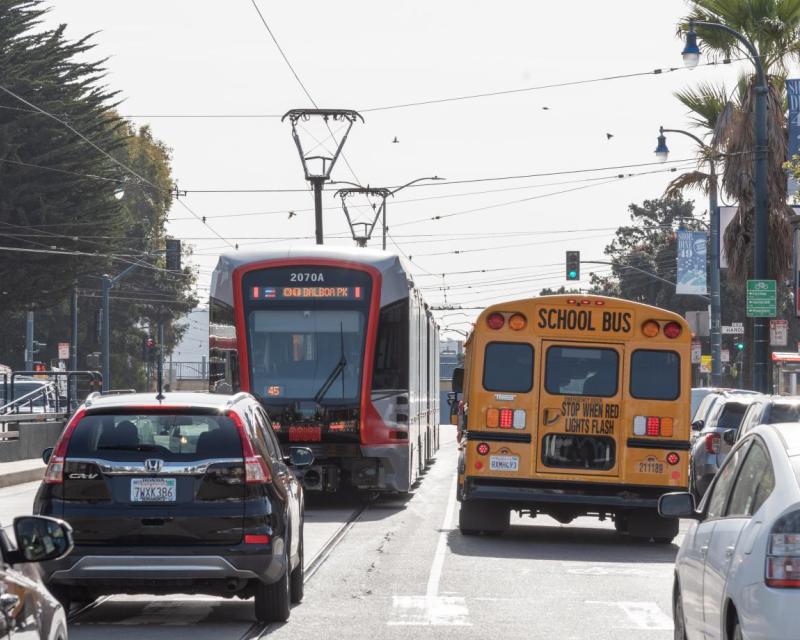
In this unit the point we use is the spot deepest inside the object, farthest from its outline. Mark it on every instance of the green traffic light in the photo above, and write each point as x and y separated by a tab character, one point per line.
740	346
573	275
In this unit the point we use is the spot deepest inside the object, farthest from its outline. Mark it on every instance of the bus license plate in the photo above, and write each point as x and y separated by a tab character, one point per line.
153	489
651	466
503	463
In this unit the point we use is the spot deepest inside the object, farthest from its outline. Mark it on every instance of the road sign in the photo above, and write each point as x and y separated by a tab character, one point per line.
63	350
762	299
779	333
725	355
733	329
697	352
705	364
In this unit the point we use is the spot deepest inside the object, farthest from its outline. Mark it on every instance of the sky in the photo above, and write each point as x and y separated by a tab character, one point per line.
189	58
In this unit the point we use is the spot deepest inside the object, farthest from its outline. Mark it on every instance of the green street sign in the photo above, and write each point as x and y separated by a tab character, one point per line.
762	299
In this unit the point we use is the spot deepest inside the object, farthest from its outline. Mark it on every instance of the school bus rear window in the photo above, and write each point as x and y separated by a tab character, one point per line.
655	375
578	452
581	371
508	366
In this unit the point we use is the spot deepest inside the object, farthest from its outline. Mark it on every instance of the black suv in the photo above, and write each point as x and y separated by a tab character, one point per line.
186	493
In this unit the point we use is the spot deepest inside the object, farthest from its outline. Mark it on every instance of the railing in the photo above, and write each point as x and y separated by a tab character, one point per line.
49	393
186	370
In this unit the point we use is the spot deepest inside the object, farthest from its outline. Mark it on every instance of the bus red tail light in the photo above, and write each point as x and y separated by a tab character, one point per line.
712	443
506	418
54	474
482	448
255	468
673	458
783	553
673	330
653	426
495	321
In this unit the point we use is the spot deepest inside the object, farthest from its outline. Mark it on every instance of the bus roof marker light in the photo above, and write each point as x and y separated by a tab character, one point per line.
673	330
600	303
495	321
517	322
650	328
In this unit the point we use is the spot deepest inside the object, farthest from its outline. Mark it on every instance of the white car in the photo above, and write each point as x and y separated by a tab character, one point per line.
737	573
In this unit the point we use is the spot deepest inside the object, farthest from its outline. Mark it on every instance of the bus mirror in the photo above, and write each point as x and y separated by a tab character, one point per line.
458	379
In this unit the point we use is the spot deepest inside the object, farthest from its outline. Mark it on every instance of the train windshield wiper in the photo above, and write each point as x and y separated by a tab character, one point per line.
337	370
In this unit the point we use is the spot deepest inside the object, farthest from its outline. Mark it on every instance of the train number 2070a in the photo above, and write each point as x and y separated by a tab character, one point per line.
307	277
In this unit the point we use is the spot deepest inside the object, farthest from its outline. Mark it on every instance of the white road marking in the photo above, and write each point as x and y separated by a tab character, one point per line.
433	609
617	569
642	615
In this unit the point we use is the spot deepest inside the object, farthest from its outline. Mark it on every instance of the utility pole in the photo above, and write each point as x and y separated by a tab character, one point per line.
320	177
29	340
73	347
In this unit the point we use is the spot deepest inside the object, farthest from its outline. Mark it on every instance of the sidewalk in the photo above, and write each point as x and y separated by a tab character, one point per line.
21	471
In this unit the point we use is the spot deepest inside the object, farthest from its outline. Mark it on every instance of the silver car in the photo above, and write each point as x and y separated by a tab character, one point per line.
714	437
737	573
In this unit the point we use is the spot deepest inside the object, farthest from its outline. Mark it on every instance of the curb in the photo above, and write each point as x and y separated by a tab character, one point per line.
21	477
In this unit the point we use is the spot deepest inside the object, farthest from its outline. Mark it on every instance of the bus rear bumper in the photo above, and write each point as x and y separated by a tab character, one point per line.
590	498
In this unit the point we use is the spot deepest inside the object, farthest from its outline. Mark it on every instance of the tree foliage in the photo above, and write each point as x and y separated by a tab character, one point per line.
59	195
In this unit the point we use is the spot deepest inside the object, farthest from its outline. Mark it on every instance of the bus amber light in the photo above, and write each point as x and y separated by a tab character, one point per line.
495	321
493	418
672	330
517	322
650	328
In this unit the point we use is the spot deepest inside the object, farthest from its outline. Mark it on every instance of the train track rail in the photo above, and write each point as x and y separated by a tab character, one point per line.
258	629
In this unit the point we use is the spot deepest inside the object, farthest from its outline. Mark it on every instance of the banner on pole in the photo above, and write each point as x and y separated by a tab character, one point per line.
692	247
793	128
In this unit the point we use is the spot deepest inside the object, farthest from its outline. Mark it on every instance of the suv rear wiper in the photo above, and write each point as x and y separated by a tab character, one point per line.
131	447
338	369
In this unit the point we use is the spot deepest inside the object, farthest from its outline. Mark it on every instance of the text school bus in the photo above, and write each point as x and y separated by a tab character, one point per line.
574	405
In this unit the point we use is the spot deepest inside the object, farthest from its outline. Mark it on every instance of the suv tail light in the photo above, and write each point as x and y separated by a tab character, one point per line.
783	553
712	443
255	468
54	474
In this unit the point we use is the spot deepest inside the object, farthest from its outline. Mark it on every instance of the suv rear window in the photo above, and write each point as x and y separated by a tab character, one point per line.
784	413
166	436
655	375
730	416
581	371
508	366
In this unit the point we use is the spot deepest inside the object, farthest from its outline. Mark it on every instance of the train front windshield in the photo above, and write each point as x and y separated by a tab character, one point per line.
306	333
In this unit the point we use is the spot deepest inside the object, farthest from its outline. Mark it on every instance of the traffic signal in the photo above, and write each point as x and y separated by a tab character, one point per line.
173	254
740	346
573	265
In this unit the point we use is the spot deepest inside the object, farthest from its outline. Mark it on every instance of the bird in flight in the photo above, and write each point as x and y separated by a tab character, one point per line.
609	136
292	214
395	141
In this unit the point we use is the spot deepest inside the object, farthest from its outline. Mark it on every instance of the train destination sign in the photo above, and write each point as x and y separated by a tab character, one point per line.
306	293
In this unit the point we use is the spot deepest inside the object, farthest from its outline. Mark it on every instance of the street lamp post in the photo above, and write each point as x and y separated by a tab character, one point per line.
691	56
715	319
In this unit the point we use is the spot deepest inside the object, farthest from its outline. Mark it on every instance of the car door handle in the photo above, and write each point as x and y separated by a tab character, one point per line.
8	602
704	550
729	551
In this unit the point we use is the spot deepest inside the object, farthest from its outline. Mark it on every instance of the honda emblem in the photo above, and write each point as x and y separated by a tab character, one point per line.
153	465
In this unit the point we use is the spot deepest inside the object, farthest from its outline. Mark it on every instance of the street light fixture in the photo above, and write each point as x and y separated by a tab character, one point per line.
662	151
715	315
691	55
691	52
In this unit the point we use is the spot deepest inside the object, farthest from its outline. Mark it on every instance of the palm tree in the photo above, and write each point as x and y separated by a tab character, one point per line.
773	26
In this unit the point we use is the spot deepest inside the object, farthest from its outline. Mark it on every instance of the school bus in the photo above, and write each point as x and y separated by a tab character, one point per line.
574	405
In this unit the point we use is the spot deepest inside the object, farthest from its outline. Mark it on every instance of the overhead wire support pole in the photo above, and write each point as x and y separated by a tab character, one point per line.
319	178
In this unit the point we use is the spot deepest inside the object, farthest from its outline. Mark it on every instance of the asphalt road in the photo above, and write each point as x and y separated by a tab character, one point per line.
403	571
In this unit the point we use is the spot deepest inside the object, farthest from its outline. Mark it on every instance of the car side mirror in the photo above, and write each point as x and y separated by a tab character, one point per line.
46	454
458	380
40	538
677	505
698	425
301	457
729	436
